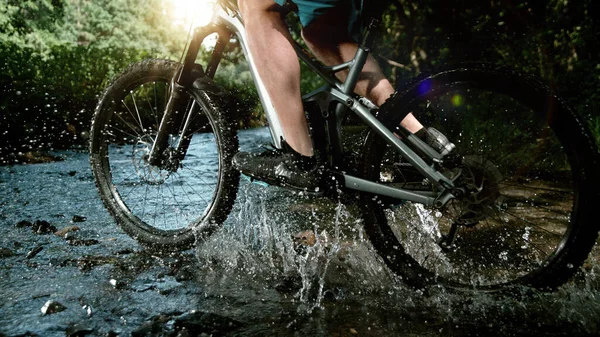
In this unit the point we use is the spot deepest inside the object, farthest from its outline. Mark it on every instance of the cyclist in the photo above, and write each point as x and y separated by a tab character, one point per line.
325	29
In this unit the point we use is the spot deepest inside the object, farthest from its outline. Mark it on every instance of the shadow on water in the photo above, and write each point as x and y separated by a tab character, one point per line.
283	264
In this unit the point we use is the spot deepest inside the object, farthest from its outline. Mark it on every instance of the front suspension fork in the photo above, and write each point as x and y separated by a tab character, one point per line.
172	119
177	107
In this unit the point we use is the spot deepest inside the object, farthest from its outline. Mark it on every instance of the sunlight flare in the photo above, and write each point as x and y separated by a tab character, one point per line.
195	12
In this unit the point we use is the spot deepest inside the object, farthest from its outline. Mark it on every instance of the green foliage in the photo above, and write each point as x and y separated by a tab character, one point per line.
30	22
49	103
136	24
59	54
553	40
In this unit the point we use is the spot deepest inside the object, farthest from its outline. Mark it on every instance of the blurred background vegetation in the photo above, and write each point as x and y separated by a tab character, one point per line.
58	55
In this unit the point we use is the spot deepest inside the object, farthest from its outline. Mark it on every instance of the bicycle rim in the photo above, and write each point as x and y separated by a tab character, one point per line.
163	202
519	224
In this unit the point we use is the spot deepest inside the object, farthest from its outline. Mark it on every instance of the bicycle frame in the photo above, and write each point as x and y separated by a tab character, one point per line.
226	22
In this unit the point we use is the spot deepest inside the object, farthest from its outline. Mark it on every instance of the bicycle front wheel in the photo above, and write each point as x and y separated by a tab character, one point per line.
529	166
162	206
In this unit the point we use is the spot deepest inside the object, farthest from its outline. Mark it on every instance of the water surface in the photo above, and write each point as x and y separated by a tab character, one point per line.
262	274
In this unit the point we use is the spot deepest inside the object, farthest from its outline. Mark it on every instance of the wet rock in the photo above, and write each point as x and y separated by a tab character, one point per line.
5	252
51	307
70	236
78	330
113	333
157	326
86	263
63	231
26	334
78	218
141	287
73	241
147	329
306	238
125	251
117	284
167	285
43	227
35	251
185	273
163	286
88	309
23	224
72	173
36	157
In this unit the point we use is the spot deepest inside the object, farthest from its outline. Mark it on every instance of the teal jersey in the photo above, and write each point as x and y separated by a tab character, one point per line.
308	10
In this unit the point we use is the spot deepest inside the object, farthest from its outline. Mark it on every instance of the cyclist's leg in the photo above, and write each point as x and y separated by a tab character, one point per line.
328	37
278	67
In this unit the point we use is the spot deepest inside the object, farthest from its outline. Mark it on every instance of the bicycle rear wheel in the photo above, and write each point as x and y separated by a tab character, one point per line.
161	207
530	167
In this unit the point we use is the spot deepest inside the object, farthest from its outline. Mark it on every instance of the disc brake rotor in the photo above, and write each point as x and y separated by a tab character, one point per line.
480	177
149	173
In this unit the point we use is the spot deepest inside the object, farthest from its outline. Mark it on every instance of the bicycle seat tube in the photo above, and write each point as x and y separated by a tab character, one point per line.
336	116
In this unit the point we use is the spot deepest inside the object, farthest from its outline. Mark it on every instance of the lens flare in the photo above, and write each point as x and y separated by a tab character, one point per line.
425	87
457	100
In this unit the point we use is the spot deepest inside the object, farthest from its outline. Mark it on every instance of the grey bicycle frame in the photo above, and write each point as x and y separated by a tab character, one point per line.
228	16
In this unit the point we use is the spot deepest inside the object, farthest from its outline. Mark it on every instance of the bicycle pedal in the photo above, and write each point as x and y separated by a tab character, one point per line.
254	181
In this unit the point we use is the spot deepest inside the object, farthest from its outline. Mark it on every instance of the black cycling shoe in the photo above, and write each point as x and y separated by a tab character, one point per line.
285	168
437	140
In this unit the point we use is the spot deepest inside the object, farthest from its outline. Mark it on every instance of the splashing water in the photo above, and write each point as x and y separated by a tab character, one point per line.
273	236
258	249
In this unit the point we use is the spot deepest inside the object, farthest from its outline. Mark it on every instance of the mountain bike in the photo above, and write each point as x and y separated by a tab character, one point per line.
512	204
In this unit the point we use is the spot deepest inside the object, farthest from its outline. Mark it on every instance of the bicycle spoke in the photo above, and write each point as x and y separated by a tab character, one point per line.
199	177
515	239
192	202
196	193
529	223
173	194
532	204
133	128
156	213
154	107
203	127
545	189
137	111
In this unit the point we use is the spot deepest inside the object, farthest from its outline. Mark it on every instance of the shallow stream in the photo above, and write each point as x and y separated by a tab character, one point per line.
263	274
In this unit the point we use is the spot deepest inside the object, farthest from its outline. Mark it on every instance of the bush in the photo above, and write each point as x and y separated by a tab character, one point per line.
47	101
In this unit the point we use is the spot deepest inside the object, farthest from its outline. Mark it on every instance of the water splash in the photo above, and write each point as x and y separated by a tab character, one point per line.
260	245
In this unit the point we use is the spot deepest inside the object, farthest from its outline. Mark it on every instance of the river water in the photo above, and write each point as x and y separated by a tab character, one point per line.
262	274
